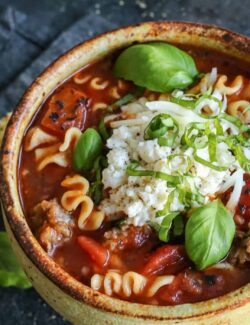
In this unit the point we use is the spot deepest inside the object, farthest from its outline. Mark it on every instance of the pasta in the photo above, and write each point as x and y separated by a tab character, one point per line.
70	139
37	137
76	196
158	283
234	87
98	83
129	283
114	93
58	153
97	106
82	80
50	155
240	109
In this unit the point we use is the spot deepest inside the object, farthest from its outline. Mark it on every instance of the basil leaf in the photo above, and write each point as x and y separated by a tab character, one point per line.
209	234
11	273
88	147
157	66
166	225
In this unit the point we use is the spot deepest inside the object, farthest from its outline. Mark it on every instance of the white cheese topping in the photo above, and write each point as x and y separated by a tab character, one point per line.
140	197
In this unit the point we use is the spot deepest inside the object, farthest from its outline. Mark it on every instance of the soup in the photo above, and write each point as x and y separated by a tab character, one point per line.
143	194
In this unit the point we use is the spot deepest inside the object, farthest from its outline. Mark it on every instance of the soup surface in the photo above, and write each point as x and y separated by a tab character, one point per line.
144	195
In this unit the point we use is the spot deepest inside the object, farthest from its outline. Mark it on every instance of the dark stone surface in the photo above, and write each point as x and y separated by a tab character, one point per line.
33	33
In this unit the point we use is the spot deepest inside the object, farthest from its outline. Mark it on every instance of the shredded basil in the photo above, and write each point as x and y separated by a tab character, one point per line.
133	171
103	130
164	128
167	206
166	225
178	225
126	99
194	135
209	163
184	102
218	127
242	159
212	144
96	187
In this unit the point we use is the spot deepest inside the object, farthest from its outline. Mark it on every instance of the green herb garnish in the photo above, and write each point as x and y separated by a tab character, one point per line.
164	128
209	234
88	147
156	66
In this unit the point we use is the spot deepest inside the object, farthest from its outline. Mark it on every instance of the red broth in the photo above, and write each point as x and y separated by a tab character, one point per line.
72	104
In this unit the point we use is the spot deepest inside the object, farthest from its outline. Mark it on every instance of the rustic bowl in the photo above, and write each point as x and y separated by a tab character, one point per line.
73	300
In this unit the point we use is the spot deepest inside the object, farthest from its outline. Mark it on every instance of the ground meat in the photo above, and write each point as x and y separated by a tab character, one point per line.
127	237
57	224
240	252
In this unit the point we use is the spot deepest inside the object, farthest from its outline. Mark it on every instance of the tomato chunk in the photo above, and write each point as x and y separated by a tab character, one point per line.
170	258
98	254
65	109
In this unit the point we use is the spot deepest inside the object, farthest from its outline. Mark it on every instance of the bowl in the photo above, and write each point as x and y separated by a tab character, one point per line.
73	300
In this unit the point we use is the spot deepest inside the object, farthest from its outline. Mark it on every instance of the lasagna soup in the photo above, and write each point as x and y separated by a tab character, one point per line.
134	175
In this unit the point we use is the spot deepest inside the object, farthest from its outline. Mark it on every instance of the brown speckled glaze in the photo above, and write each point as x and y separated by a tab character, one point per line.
75	301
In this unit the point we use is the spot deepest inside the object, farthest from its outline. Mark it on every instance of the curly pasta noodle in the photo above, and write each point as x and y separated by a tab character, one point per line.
50	155
158	283
37	137
58	153
98	84
99	106
128	283
114	93
71	137
240	109
76	197
82	80
234	87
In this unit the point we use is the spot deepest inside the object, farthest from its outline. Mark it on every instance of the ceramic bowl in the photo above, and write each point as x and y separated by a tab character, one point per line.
73	300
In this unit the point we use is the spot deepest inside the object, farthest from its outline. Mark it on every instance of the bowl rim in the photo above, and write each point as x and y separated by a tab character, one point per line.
32	248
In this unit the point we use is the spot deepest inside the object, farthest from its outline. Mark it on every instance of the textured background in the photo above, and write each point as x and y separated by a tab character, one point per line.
33	33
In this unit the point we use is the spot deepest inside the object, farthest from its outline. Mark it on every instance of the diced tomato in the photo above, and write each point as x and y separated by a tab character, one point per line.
97	253
65	109
170	258
187	286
